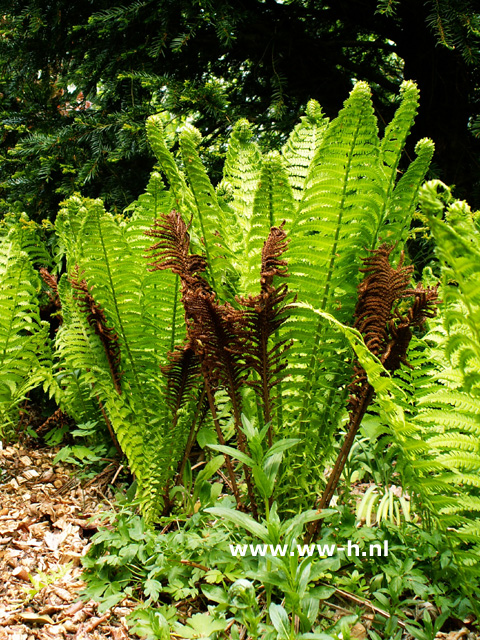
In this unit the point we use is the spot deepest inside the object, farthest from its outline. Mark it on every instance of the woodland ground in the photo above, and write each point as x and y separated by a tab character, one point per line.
47	517
45	528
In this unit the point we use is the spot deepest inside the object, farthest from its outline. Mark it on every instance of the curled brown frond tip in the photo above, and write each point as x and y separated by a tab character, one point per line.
51	282
172	249
274	246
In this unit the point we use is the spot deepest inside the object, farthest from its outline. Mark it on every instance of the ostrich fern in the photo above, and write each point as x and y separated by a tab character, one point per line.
140	310
452	409
333	191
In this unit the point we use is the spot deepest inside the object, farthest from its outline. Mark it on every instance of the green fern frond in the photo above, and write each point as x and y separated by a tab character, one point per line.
241	171
400	206
458	240
151	204
141	307
156	136
340	209
447	419
208	217
67	226
401	197
398	129
336	221
27	237
81	370
302	145
24	342
461	401
272	206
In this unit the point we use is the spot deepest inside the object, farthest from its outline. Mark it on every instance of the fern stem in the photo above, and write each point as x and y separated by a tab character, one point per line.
221	439
355	420
191	436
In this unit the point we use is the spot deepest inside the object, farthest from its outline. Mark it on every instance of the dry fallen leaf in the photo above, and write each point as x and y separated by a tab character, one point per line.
21	573
358	631
35	618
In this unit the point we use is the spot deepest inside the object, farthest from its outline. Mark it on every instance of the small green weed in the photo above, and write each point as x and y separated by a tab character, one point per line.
43	579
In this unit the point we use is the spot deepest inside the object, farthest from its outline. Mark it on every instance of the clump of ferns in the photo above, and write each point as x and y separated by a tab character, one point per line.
231	344
386	314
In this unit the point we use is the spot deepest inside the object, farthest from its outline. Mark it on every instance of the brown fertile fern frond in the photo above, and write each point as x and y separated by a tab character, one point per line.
377	293
215	332
400	327
229	343
213	329
97	320
263	315
387	334
51	282
172	251
274	246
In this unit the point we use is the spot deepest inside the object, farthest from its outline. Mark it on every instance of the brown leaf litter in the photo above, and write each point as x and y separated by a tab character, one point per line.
45	530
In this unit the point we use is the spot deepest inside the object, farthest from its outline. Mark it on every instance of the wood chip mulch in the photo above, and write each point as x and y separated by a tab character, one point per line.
45	529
